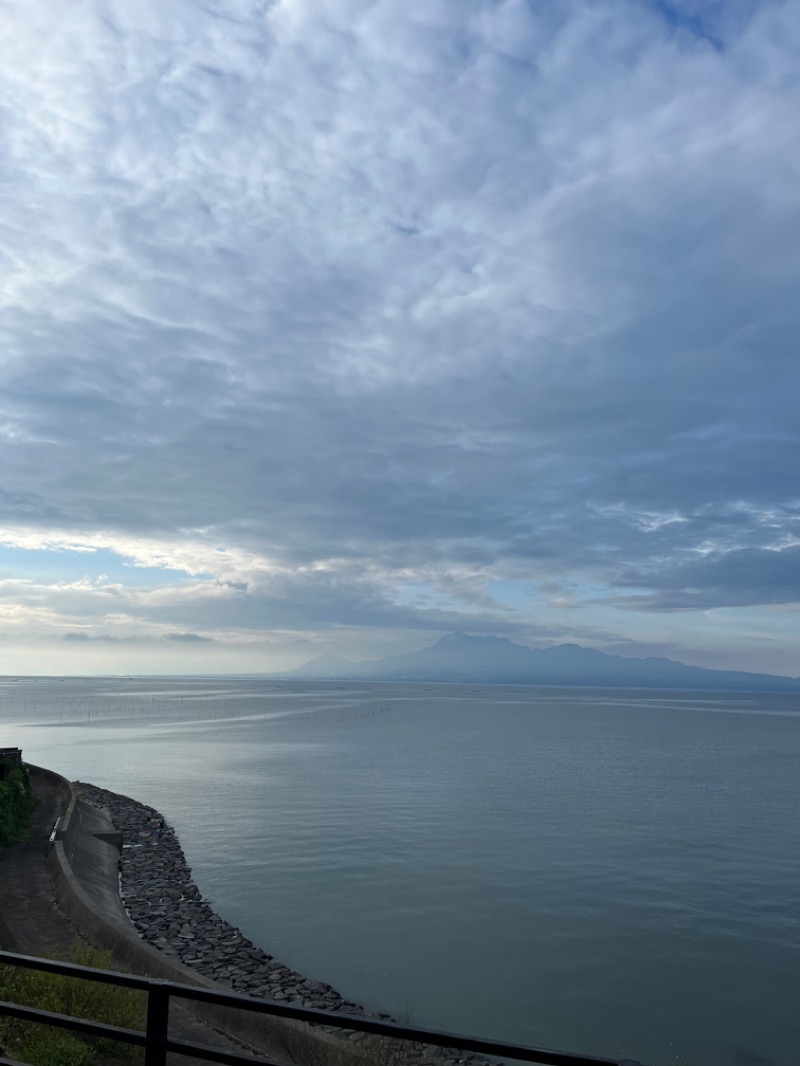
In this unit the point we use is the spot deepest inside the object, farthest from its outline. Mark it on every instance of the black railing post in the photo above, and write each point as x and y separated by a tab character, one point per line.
155	1050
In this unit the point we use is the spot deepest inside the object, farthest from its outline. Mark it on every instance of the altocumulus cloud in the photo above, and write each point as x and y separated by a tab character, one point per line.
367	320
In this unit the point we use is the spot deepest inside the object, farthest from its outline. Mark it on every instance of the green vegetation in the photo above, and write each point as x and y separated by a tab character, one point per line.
16	806
44	1045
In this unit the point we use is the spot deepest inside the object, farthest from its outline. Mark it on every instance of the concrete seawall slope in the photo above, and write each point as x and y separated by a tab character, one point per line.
88	894
80	869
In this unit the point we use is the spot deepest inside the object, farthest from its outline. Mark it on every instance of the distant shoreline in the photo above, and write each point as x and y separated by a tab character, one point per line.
460	658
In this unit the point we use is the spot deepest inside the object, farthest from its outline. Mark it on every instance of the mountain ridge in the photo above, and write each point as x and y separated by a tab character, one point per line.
459	657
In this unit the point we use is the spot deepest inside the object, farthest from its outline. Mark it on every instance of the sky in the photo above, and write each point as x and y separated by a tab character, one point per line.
338	325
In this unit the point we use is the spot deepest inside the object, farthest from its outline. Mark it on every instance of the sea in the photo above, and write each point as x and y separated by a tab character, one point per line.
612	872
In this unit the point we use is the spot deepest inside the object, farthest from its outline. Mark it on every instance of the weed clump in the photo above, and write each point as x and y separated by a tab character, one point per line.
17	804
44	1045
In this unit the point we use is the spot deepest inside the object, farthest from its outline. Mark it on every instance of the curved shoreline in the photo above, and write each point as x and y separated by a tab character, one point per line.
166	929
168	912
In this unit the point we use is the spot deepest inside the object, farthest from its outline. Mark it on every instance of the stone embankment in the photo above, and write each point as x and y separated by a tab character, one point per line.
167	910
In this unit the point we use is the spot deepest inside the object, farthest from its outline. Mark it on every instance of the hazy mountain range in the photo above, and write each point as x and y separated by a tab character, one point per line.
497	660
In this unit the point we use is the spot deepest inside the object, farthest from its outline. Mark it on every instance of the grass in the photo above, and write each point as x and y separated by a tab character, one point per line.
43	1045
17	804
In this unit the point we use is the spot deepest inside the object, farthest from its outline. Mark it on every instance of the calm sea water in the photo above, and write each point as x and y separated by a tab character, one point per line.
601	871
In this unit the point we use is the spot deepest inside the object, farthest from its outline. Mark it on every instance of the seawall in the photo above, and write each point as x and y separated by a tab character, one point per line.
107	926
130	892
167	910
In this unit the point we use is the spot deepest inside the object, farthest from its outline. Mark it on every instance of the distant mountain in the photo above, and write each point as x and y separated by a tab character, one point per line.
497	660
325	666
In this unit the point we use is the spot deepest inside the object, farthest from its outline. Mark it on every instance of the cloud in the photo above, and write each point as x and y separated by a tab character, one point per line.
741	577
377	316
82	637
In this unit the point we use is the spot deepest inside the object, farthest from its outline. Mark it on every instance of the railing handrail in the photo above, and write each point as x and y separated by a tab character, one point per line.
157	1042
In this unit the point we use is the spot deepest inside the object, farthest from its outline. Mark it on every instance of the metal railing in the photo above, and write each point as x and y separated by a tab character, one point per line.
157	1042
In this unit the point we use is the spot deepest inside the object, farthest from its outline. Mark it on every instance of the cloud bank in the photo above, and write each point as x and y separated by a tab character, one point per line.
359	321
